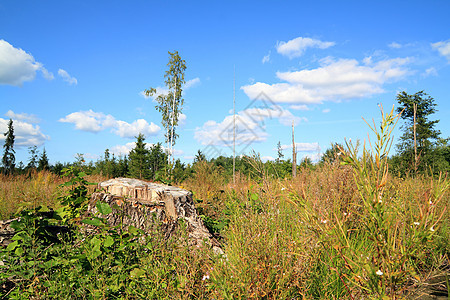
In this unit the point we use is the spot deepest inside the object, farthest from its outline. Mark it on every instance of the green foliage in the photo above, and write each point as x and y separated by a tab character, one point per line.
337	231
43	161
9	159
158	162
381	257
279	152
47	261
58	168
139	165
75	202
111	166
200	156
332	154
428	142
180	171
34	157
306	162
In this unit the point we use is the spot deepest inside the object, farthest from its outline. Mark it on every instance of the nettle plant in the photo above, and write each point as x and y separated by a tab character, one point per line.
394	236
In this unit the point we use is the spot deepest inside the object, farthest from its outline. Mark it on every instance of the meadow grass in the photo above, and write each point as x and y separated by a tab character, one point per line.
31	190
346	230
312	237
304	237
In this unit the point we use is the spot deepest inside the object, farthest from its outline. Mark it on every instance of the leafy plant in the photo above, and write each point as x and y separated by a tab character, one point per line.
74	203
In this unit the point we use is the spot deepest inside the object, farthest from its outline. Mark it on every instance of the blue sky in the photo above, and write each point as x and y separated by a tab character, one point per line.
72	73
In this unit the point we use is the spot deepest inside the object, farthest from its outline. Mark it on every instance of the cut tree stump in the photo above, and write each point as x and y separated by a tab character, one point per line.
142	204
6	233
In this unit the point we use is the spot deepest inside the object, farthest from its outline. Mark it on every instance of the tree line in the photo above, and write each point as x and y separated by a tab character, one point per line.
420	149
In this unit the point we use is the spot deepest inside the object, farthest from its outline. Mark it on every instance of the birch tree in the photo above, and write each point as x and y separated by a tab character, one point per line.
170	105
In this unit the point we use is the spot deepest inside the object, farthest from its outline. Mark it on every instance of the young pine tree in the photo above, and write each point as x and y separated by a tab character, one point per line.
43	161
157	160
139	164
9	158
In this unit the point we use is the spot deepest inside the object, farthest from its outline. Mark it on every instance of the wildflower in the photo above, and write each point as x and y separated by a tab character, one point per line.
416	223
432	228
323	221
379	273
345	213
205	277
283	189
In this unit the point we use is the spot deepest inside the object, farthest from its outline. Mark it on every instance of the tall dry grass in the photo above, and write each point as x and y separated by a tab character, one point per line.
337	232
317	236
31	190
309	236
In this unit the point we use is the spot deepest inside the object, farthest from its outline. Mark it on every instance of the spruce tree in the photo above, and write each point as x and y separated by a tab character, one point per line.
157	160
9	158
43	161
139	166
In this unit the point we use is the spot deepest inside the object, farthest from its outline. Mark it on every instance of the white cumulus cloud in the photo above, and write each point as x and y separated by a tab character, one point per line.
443	47
25	133
86	120
97	121
126	149
332	80
192	83
18	66
221	134
122	149
250	126
299	107
22	117
296	47
66	77
182	119
130	130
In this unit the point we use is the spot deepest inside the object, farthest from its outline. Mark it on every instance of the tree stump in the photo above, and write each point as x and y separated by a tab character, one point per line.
142	204
6	232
